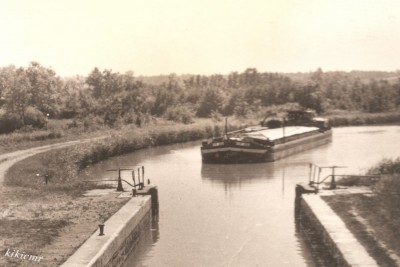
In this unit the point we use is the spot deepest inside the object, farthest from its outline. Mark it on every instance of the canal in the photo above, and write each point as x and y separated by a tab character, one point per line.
239	215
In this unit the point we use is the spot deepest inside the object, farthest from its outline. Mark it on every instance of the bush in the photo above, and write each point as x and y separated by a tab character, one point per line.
35	118
386	167
9	122
180	114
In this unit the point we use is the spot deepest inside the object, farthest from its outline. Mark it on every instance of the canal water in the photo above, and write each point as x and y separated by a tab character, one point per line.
239	215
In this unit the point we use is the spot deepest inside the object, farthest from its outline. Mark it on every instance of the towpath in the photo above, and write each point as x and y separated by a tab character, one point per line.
9	159
48	225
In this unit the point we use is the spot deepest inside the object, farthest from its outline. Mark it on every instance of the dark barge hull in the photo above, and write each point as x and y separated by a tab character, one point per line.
234	154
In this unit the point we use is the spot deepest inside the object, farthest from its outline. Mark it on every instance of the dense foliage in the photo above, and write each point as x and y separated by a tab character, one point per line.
29	96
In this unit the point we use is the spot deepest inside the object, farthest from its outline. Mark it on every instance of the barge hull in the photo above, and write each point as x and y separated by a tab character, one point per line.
233	154
296	146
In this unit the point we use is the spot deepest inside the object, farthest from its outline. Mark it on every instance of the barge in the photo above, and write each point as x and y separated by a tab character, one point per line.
272	140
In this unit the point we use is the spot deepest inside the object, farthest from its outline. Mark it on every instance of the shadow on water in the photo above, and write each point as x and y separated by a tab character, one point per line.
239	215
148	238
155	226
229	174
310	240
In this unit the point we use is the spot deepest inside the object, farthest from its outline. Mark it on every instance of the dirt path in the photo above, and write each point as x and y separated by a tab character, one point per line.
49	225
9	159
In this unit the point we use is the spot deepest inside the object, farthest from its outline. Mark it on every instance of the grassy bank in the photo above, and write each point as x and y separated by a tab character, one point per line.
56	131
374	220
64	130
355	118
62	166
56	218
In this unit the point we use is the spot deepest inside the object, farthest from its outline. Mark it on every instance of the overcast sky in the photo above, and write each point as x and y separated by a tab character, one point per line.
200	36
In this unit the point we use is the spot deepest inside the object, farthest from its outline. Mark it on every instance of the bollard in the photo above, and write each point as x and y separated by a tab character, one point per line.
299	191
133	192
133	177
101	227
119	187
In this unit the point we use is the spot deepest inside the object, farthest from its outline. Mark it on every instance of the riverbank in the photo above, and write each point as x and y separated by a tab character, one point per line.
66	130
374	218
56	188
370	223
61	167
55	218
50	225
359	118
318	222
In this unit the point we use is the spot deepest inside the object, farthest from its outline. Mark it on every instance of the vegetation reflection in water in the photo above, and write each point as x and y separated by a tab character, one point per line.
241	215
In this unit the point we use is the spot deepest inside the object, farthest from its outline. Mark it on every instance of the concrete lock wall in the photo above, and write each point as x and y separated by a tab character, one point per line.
308	217
122	234
331	232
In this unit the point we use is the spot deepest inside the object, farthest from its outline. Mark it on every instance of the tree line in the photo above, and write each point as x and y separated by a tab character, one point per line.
31	95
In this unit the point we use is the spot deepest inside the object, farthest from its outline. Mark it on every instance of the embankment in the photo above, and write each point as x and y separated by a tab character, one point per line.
62	166
315	216
122	233
355	119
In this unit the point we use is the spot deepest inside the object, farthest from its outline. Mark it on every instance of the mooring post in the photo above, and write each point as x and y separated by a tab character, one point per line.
333	182
299	191
119	187
101	227
226	125
133	177
141	181
315	173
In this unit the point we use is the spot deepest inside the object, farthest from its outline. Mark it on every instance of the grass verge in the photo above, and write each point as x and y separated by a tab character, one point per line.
356	118
63	165
367	220
54	216
374	219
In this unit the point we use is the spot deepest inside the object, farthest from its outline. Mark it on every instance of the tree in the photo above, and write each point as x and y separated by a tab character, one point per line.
44	87
309	96
19	95
95	82
211	101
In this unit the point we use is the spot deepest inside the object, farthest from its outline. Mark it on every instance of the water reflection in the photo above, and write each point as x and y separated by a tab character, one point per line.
233	174
155	209
239	215
148	238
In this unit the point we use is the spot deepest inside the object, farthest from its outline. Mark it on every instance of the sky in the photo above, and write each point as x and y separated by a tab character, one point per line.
151	37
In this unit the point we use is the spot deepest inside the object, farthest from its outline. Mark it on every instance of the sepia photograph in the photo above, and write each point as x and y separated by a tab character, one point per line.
172	133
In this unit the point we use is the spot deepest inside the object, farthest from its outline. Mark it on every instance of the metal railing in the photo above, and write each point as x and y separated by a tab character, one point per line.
138	181
315	179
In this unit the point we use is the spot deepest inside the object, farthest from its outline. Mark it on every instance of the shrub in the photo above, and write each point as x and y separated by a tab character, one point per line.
9	122
386	166
180	114
35	118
